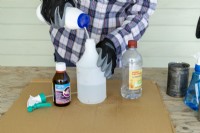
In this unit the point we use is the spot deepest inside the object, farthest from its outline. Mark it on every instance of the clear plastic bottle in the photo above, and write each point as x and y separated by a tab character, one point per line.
91	83
192	98
131	72
61	86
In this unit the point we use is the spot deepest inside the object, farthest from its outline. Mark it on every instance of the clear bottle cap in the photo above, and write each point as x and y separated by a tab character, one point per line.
132	44
60	66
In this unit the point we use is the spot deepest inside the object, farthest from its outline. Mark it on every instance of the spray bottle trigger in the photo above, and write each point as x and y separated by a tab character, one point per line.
36	102
37	106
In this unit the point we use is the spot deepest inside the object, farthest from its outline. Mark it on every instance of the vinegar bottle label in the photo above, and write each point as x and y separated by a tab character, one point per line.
135	78
62	93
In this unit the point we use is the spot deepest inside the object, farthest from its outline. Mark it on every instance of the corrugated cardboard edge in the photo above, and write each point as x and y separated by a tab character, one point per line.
154	82
166	110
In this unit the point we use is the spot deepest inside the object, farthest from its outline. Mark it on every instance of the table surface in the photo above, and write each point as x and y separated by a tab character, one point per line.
14	79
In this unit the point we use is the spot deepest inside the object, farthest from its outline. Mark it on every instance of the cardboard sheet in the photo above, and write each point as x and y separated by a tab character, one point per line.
115	115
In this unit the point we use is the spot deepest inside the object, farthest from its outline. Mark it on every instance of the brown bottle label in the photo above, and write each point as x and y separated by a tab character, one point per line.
62	93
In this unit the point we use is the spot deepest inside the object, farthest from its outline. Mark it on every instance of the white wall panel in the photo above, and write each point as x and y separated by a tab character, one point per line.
25	41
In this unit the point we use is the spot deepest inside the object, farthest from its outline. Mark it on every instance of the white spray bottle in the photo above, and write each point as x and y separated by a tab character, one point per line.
91	83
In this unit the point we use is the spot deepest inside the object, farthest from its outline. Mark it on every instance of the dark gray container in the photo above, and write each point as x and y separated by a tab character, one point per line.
177	82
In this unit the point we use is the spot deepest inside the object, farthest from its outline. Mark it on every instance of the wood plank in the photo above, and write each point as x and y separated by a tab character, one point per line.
21	60
162	62
170	33
17	60
152	57
20	3
168	49
21	47
151	49
155	54
24	32
24	41
161	3
161	16
177	17
186	4
153	33
18	16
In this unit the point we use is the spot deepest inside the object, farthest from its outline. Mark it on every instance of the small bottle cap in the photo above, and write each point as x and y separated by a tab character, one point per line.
132	44
83	20
60	66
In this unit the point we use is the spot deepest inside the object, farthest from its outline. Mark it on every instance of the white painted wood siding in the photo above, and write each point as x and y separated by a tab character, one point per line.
25	41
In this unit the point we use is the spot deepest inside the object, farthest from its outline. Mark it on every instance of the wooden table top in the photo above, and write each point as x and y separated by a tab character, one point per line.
14	79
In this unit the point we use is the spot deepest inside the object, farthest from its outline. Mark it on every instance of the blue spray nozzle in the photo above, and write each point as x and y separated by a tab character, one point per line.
83	20
37	106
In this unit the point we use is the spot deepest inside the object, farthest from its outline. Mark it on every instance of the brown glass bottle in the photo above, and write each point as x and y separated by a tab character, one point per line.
61	86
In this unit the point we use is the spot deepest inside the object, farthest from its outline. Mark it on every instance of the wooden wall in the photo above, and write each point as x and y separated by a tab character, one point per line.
25	41
171	34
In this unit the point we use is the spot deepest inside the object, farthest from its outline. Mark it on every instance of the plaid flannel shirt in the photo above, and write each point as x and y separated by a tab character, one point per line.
117	20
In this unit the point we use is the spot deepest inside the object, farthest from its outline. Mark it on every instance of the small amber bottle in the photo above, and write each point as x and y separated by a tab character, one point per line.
61	86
